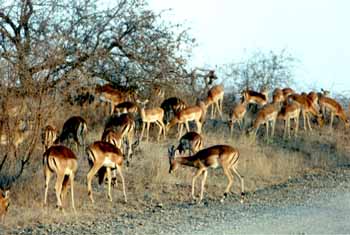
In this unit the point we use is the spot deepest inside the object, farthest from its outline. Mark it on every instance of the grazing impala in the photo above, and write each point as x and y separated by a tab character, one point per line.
250	96
60	160
191	141
238	112
307	107
104	157
287	113
193	113
49	135
152	115
74	128
172	104
265	115
215	99
335	109
219	155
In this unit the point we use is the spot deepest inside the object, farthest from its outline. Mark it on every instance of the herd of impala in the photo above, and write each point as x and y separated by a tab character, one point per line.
107	155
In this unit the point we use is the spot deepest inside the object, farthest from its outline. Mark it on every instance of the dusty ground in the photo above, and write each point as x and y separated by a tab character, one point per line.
319	202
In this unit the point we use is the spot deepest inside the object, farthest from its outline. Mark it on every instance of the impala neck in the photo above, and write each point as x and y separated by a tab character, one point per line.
187	161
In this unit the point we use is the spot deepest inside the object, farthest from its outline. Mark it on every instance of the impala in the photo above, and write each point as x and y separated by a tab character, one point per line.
152	115
119	129
250	96
287	92
74	128
335	109
172	104
266	115
219	155
191	141
215	99
60	160
288	112
110	95
193	113
307	107
126	107
106	156
49	135
277	96
238	112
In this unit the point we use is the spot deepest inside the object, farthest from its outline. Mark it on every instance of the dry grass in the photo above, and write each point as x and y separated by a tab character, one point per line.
262	162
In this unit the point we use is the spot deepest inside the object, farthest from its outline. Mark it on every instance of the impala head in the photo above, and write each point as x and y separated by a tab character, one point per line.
172	163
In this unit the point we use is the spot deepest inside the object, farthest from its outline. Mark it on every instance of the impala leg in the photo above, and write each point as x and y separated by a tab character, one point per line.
64	188
187	126
296	125
163	127
109	177
273	124
58	188
218	109
123	182
205	174
199	126
90	176
288	123
180	131
47	174
331	122
143	129
160	130
230	181
241	180
304	119
285	129
308	121
198	173
71	177
267	129
147	131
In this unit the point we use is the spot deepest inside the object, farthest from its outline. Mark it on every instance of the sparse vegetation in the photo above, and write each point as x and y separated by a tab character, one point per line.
52	56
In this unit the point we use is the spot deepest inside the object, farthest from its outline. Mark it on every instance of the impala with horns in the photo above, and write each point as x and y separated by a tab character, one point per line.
327	103
215	99
74	128
307	107
191	141
287	92
194	113
48	136
237	115
61	161
219	155
151	115
103	158
172	105
287	113
254	97
266	115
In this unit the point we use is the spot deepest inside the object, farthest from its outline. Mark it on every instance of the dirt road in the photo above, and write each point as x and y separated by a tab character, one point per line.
318	203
